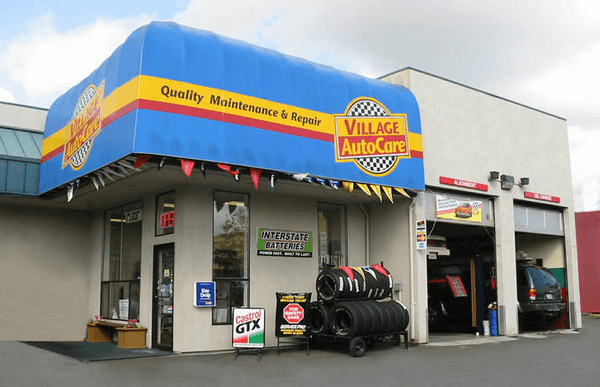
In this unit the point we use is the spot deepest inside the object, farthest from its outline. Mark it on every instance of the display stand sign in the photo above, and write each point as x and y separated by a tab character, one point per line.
248	328
204	294
292	314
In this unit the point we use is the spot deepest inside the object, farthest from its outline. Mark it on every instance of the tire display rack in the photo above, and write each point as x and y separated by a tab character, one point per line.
343	313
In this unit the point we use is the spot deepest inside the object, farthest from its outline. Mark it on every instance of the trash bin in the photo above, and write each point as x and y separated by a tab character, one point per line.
493	311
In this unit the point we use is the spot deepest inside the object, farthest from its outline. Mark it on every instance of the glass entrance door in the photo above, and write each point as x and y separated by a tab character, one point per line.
162	311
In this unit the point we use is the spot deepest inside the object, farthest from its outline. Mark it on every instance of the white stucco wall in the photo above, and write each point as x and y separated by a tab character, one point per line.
466	134
22	117
44	281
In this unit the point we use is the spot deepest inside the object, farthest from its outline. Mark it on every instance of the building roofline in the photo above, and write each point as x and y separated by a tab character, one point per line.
474	89
25	106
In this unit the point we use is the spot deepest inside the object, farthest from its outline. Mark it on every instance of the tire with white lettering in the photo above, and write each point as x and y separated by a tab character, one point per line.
348	319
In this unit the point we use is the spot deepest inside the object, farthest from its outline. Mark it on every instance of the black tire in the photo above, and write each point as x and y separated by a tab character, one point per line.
357	347
373	321
385	323
320	320
406	318
343	320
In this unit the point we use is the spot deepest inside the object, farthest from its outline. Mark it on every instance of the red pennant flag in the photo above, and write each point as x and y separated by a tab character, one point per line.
141	159
227	168
187	167
255	174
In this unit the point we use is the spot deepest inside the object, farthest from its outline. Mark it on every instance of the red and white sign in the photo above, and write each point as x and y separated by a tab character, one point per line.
463	183
538	196
293	313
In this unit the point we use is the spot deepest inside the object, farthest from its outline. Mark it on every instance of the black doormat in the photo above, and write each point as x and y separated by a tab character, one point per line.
85	351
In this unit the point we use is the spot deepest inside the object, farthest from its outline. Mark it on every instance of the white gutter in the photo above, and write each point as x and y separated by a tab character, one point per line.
411	219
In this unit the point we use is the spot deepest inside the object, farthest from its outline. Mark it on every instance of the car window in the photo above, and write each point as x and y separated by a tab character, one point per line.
550	278
541	277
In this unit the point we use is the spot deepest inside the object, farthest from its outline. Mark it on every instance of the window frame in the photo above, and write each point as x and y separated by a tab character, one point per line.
105	276
244	279
157	215
343	234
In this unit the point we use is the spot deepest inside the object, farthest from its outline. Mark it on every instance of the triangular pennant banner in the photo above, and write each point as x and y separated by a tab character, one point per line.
364	187
272	180
70	192
232	172
348	186
203	169
299	176
255	174
335	184
403	192
388	193
377	189
140	160
187	166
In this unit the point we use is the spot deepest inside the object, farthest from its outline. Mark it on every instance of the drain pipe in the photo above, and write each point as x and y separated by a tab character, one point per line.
411	219
367	233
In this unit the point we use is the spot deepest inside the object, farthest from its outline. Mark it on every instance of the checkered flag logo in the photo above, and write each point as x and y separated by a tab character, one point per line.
377	164
92	124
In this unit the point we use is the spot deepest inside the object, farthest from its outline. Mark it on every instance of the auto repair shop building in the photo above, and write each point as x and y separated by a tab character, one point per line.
156	174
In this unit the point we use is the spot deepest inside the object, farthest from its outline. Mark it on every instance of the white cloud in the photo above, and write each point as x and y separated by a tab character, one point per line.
585	159
7	95
47	62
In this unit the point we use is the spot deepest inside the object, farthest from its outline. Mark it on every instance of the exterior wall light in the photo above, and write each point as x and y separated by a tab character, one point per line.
494	176
524	181
507	182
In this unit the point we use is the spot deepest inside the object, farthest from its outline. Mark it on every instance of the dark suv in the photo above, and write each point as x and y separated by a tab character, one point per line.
539	295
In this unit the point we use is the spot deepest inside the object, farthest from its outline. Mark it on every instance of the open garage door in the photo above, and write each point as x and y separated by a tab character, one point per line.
539	238
461	270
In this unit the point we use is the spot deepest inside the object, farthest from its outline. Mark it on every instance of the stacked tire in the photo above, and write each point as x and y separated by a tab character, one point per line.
352	304
354	283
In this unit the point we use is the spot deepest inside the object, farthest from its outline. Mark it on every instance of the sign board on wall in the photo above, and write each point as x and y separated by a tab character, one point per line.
204	294
283	243
292	315
465	210
248	328
421	235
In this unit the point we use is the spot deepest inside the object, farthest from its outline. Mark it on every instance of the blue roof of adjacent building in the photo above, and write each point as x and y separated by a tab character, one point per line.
20	154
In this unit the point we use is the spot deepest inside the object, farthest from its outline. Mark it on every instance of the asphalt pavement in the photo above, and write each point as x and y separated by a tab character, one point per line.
558	358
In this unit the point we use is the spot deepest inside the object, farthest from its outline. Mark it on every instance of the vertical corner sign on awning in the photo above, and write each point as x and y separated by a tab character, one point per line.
240	105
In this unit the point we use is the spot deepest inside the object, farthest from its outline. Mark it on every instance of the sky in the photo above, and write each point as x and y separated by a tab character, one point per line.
540	53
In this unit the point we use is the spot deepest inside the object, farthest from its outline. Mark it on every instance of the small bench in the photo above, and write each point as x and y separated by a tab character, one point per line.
102	331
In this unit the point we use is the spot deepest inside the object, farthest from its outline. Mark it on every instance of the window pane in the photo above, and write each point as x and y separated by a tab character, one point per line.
112	264
230	294
221	310
230	236
332	234
165	214
132	251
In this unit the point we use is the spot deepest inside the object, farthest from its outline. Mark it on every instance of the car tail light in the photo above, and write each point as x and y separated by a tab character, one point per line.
532	294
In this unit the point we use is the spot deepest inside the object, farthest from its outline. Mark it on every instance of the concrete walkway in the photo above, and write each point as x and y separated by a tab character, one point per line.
562	358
